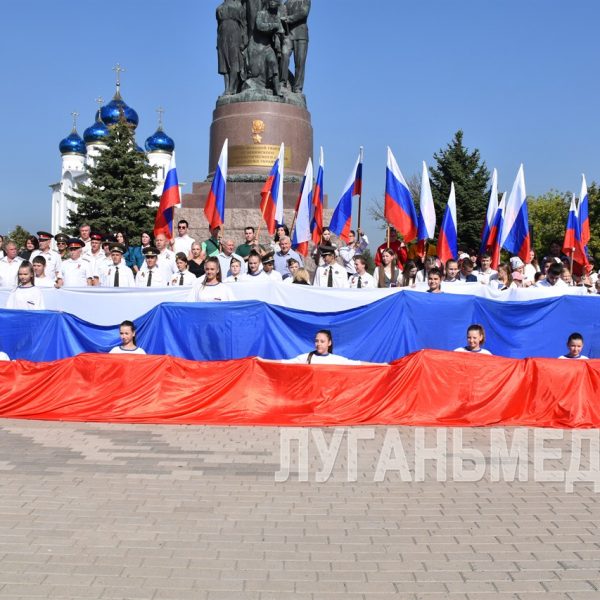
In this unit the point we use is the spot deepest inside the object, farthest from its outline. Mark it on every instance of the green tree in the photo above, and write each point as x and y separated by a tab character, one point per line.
119	192
548	219
470	176
18	235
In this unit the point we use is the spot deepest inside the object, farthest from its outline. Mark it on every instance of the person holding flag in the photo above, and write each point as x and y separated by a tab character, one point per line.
168	200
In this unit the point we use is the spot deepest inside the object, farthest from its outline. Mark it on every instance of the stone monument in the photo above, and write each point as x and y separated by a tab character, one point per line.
262	105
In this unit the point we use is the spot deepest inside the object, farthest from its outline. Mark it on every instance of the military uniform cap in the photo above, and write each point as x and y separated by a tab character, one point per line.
150	251
268	258
44	235
324	250
62	237
75	243
118	248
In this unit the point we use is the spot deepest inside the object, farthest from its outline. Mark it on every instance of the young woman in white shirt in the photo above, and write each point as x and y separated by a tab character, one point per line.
128	340
26	296
475	340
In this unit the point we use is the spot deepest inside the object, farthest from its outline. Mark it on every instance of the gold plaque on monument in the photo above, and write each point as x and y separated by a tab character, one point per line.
257	155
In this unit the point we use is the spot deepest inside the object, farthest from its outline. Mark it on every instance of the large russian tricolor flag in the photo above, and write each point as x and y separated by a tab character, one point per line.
301	234
271	205
341	220
447	246
316	225
426	229
491	213
214	209
496	233
573	245
170	198
399	209
515	232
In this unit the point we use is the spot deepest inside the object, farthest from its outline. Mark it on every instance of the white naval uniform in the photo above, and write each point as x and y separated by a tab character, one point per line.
26	298
119	350
322	359
188	279
158	280
273	276
210	293
77	272
366	281
53	261
340	279
9	271
126	279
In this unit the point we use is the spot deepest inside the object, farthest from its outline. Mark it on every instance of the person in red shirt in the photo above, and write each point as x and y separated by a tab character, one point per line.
396	245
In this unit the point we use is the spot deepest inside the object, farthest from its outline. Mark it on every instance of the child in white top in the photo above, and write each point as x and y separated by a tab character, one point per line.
575	346
475	340
128	341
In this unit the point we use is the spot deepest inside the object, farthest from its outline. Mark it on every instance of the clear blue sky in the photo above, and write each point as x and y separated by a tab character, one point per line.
520	77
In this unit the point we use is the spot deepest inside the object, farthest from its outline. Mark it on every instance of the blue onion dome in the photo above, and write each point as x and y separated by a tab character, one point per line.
159	141
96	133
72	144
111	113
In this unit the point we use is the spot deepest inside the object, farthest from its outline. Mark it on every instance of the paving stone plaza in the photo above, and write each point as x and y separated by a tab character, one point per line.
177	512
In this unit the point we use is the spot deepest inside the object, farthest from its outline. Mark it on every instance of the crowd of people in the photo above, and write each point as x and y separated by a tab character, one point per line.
210	267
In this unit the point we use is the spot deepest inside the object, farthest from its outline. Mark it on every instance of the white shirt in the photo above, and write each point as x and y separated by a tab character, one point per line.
126	278
580	357
480	351
44	282
366	281
119	350
238	278
273	275
4	356
26	298
183	243
324	359
158	280
545	283
486	277
260	276
76	272
98	262
347	253
340	278
9	271
188	279
225	263
53	261
210	293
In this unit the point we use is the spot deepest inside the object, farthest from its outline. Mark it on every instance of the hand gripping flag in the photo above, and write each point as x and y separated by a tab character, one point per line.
214	209
496	233
163	222
491	213
271	205
316	225
515	232
301	234
447	246
426	229
341	221
399	209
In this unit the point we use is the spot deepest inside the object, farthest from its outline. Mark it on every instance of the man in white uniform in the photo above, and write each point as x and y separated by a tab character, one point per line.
330	274
52	257
77	270
151	275
118	274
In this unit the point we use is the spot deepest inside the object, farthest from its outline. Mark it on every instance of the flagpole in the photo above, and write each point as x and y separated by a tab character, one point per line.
388	236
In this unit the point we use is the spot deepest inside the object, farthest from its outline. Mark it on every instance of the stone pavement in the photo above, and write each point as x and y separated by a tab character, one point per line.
177	512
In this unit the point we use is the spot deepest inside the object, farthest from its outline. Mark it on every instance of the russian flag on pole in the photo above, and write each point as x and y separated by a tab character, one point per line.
515	232
491	213
163	222
426	229
301	234
316	225
583	213
573	242
496	233
271	205
399	209
447	246
341	221
214	209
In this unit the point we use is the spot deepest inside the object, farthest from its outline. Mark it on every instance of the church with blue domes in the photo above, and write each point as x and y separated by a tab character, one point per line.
78	153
